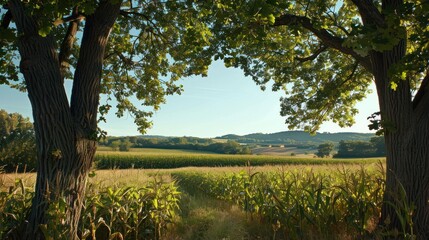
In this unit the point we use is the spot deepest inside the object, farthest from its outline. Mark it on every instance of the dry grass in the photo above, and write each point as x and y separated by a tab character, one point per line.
207	218
127	177
8	180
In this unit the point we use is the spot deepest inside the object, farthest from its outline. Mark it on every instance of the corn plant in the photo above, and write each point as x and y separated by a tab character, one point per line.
132	212
15	205
110	212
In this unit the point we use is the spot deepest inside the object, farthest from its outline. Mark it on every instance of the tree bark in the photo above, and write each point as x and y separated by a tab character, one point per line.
407	152
65	135
406	131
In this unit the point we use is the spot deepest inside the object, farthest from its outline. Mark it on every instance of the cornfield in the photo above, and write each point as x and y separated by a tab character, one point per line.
299	204
174	159
109	213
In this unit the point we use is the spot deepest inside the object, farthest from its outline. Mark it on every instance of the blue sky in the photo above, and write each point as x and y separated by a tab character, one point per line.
225	102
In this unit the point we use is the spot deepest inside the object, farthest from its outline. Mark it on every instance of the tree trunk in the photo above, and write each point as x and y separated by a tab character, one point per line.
406	196
65	135
405	207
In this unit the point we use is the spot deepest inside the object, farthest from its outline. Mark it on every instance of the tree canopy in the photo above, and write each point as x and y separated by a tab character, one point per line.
152	45
17	142
317	52
324	150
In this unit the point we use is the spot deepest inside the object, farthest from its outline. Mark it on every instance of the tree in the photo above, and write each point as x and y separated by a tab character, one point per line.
115	145
324	150
324	55
379	145
17	143
355	149
125	145
119	49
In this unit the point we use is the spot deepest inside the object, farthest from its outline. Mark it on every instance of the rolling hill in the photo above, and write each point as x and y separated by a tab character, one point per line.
297	137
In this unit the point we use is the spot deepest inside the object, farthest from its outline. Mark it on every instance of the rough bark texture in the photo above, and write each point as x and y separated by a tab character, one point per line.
65	134
407	141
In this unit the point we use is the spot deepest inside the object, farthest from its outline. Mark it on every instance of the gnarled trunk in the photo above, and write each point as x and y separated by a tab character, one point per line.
65	134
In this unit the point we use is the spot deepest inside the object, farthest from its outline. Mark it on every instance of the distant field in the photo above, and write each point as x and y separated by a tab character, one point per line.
165	159
284	151
151	151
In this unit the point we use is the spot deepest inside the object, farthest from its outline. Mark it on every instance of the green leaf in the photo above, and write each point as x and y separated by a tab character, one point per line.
393	86
44	31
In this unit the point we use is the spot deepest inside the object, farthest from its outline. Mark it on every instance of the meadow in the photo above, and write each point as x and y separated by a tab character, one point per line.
270	198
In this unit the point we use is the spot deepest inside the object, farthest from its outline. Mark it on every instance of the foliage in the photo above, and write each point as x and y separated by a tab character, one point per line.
352	149
122	145
15	204
17	142
324	150
294	44
188	143
131	212
151	46
318	52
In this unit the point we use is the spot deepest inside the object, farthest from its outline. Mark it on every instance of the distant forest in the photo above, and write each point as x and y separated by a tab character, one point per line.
189	143
298	138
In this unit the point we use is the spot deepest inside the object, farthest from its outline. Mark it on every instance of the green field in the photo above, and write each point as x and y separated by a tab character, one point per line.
163	159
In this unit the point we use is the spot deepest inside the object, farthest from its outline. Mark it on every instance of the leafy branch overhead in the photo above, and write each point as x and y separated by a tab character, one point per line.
318	52
152	45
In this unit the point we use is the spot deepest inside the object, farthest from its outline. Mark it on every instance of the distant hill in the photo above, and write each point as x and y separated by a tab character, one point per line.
297	137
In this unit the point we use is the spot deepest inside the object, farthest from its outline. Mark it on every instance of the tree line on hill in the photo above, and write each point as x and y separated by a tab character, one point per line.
297	138
187	143
375	147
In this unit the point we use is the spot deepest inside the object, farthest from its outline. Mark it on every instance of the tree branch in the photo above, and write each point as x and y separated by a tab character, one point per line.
369	13
154	29
87	78
7	18
422	94
67	44
24	24
327	39
124	59
75	17
313	56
